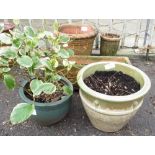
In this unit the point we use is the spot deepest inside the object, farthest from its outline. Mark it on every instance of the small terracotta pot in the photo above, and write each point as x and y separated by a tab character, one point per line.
82	37
8	26
109	44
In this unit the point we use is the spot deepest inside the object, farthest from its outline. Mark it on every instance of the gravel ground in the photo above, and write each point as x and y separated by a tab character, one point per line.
76	122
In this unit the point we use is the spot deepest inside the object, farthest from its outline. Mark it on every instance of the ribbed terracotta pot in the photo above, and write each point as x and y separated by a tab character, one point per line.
82	37
111	113
109	44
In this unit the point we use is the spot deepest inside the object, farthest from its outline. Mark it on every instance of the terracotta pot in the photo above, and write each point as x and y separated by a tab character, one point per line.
82	37
8	26
109	44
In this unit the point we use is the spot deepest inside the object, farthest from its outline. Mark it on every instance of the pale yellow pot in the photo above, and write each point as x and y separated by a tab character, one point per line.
111	113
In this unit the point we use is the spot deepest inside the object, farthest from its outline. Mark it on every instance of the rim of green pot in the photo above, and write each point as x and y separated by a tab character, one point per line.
140	93
26	99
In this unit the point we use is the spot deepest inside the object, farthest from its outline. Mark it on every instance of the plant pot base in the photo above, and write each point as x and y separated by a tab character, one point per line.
107	121
51	121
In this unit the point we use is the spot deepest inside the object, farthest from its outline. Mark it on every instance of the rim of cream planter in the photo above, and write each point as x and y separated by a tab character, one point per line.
140	93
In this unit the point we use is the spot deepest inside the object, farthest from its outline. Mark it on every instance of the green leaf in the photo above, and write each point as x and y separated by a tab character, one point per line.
55	26
21	112
54	63
1	27
48	88
22	52
17	42
25	61
46	63
10	53
67	90
34	85
37	87
16	21
63	54
29	31
65	62
9	81
4	62
49	34
55	77
64	39
5	70
71	52
5	38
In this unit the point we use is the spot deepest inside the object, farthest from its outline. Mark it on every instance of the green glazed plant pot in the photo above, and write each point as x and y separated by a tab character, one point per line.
111	113
49	113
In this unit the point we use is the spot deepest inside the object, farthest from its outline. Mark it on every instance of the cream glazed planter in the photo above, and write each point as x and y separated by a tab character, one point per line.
111	113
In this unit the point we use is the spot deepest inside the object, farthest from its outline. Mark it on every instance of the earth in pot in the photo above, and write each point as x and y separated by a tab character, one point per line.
49	113
111	113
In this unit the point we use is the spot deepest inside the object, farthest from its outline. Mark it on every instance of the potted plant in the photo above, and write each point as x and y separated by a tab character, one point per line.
45	94
112	93
82	37
109	44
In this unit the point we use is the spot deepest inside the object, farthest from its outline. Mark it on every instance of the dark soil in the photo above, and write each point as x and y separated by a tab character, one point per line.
112	83
43	98
110	35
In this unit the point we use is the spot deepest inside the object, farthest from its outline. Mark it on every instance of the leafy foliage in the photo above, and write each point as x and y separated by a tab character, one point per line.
42	62
9	81
21	112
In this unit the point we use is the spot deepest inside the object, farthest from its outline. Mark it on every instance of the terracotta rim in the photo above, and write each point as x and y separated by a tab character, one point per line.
78	31
110	37
8	26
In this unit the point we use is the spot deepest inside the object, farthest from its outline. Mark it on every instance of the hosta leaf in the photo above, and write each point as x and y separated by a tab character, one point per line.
48	88
29	31
34	85
55	77
65	62
63	54
16	21
1	27
71	52
64	39
10	53
9	81
46	63
17	42
67	90
5	70
49	34
5	38
21	112
55	26
37	87
4	62
54	63
25	61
